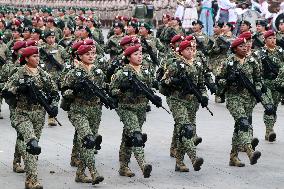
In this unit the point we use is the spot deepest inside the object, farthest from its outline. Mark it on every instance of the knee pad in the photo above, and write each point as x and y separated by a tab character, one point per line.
89	141
244	124
137	139
33	147
186	131
98	142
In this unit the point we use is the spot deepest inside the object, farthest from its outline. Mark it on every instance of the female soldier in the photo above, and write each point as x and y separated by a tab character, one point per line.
179	74
131	110
240	102
85	110
29	113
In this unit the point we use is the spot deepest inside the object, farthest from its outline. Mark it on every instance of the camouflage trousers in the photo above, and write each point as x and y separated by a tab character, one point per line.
184	112
29	125
269	120
86	120
241	106
132	119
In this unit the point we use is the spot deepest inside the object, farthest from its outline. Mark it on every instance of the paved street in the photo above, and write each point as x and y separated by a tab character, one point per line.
56	142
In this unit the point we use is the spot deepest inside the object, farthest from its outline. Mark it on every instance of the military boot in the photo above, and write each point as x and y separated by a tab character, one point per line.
32	183
270	135
254	143
125	171
180	166
197	163
253	155
80	174
96	178
234	159
197	140
17	168
173	152
1	117
51	121
147	169
74	158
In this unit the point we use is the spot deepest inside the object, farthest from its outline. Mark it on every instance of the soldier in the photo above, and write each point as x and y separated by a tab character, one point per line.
165	20
36	36
53	58
26	33
132	111
258	39
183	103
85	111
96	32
132	28
3	49
245	26
173	29
50	26
68	37
271	58
237	98
29	113
112	46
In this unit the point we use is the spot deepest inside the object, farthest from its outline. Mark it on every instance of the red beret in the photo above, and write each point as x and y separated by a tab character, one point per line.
89	42
81	18
19	44
124	18
135	20
247	35
76	45
84	49
28	51
177	38
118	17
31	43
189	37
269	33
131	49
237	42
125	40
183	45
16	22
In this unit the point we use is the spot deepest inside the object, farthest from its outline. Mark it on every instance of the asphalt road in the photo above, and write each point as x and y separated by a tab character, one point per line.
56	142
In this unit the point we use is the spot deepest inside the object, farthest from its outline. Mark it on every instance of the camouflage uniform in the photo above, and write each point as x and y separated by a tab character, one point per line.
184	106
240	104
277	58
28	117
169	32
85	115
112	46
132	112
97	35
3	48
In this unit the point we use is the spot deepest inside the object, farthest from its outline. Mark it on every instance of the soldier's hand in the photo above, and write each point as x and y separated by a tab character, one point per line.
124	86
270	109
23	88
158	101
54	111
204	101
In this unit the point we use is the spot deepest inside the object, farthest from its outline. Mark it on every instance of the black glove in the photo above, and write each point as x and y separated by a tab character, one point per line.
232	77
175	81
270	109
124	86
264	89
54	111
155	84
23	88
158	101
259	92
204	101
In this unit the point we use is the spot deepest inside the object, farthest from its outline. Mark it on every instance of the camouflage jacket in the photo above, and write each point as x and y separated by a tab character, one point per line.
131	96
112	46
42	81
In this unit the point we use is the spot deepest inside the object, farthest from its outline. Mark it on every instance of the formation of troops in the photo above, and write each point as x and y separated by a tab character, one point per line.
53	58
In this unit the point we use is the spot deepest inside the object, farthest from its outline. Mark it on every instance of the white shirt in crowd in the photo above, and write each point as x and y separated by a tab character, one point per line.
263	7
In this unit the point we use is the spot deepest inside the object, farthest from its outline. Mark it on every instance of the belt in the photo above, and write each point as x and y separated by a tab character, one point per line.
28	107
83	102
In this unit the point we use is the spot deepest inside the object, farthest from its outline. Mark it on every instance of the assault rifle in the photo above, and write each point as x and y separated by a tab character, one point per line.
192	88
269	68
256	41
149	50
150	95
44	100
51	59
93	90
224	41
2	61
280	42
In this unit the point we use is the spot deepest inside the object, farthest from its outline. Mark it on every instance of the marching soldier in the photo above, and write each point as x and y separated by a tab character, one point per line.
258	39
96	32
53	60
85	111
3	49
50	26
237	98
181	72
29	113
132	111
271	58
165	20
245	26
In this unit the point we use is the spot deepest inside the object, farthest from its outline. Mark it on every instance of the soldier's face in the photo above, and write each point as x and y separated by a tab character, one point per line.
143	31
33	61
217	30
130	30
35	36
165	20
117	30
16	34
281	27
226	29
49	24
136	58
187	53
270	42
244	28
50	40
260	28
40	23
66	31
26	35
249	45
196	28
88	57
241	50
89	24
